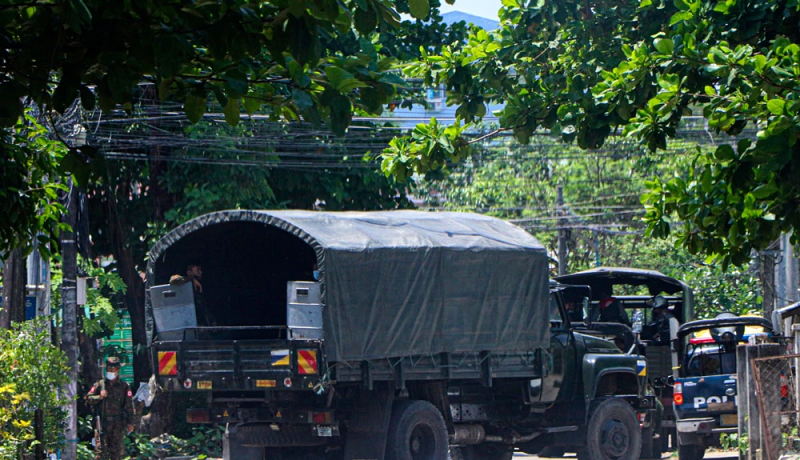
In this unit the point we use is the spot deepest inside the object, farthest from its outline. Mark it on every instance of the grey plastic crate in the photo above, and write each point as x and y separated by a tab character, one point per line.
173	309
304	310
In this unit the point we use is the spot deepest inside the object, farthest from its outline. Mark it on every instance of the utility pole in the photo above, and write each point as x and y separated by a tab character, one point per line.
14	289
69	325
562	231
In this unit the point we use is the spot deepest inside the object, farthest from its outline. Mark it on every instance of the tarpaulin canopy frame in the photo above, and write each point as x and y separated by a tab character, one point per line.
399	283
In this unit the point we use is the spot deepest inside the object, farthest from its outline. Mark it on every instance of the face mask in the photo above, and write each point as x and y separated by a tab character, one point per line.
316	275
111	375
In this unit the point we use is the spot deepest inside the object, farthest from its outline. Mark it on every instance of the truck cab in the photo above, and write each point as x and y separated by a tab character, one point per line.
621	309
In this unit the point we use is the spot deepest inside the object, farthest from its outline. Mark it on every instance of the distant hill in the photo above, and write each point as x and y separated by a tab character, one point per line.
457	16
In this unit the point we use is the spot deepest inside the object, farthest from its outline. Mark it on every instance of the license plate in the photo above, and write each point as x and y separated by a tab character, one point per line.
325	431
205	385
266	383
729	420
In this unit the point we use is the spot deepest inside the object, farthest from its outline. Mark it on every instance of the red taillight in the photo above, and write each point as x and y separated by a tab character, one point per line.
677	394
321	417
784	386
198	416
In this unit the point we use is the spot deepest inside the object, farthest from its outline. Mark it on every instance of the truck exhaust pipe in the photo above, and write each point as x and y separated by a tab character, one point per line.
465	435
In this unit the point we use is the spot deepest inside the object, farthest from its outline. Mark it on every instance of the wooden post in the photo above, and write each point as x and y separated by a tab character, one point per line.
748	400
743	390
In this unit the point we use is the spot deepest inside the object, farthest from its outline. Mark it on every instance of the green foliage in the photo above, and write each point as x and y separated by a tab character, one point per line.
601	194
29	170
734	441
583	72
100	316
32	370
204	442
316	61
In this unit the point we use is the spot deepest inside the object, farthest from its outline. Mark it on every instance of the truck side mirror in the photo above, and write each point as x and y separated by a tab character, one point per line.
670	380
587	313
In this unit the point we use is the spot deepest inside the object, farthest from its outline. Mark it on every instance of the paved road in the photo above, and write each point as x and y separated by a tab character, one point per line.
709	455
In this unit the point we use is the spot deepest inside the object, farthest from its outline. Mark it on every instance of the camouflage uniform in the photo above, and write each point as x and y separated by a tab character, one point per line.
116	412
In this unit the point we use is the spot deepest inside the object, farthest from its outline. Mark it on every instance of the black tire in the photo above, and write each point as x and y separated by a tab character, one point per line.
613	433
552	452
691	451
649	448
416	432
488	451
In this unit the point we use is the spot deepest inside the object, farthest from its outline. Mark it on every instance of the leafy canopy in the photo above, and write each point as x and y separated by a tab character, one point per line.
316	60
584	70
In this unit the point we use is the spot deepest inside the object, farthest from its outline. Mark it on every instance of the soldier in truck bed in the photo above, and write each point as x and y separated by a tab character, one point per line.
194	273
116	412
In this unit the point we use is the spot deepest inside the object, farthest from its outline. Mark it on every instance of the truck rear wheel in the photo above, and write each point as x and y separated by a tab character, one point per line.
613	432
691	451
488	451
416	432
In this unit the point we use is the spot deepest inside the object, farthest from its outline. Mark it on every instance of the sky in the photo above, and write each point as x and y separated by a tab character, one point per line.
484	8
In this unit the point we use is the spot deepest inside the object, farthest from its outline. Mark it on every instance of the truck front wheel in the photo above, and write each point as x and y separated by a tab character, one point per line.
613	432
416	432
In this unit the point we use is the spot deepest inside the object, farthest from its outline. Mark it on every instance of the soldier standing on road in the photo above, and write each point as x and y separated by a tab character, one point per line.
115	399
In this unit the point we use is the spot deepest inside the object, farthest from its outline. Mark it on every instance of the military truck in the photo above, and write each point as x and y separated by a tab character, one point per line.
372	335
621	308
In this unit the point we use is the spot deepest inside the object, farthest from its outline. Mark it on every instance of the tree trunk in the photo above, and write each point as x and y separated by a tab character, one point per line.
89	369
15	274
134	295
69	333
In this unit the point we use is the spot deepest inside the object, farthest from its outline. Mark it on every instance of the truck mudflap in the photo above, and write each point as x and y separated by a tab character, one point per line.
279	416
238	365
274	435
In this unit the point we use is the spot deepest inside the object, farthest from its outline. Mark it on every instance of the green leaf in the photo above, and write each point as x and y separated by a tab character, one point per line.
87	97
776	106
341	114
419	8
680	16
195	107
765	191
781	72
231	111
681	5
664	45
365	21
301	99
724	153
251	105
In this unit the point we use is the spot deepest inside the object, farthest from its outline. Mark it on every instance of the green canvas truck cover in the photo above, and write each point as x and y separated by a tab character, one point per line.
400	283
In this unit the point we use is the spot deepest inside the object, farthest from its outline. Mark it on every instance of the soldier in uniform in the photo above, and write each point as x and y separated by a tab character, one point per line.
194	273
115	400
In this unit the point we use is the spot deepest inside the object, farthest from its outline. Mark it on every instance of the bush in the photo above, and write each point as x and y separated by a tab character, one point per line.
32	371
